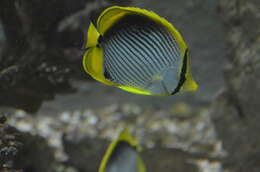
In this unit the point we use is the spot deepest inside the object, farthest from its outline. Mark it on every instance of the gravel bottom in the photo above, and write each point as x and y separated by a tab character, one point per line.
181	127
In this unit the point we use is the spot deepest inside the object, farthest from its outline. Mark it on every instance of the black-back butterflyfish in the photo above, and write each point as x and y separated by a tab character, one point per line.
122	155
138	51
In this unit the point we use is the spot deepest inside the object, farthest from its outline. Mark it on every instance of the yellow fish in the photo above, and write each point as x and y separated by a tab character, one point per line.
122	155
138	51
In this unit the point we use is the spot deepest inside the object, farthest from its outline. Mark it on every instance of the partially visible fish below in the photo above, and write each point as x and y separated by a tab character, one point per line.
122	155
138	51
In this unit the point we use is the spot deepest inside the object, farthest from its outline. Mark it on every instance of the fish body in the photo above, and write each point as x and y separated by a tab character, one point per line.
138	51
122	155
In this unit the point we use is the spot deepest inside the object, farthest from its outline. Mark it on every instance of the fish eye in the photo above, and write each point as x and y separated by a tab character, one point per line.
100	39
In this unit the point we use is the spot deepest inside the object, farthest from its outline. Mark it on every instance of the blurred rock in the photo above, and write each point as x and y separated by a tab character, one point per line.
168	160
38	59
23	151
82	136
31	68
85	154
35	154
236	110
9	146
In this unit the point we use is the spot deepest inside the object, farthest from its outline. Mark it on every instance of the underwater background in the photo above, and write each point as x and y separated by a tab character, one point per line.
55	118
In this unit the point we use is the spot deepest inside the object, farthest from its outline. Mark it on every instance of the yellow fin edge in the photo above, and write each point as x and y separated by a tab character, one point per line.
134	90
93	57
93	64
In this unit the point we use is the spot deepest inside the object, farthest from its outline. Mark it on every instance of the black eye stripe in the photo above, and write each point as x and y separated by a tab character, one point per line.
100	39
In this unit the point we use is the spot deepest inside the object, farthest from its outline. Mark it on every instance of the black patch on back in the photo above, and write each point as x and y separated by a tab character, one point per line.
139	21
183	72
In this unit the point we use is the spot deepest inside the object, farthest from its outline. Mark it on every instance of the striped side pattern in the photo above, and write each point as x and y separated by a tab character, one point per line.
136	49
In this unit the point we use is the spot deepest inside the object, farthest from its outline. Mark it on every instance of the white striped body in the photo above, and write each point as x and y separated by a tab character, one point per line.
141	53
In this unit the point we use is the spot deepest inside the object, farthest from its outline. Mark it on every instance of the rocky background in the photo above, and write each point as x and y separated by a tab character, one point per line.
236	110
55	118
